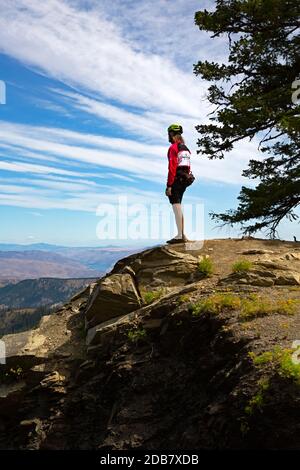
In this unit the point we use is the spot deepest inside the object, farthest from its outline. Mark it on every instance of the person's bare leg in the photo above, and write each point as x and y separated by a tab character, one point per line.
179	219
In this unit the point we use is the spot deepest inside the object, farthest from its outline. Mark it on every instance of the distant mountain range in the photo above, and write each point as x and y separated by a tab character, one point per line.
30	247
24	303
47	247
18	262
32	293
35	277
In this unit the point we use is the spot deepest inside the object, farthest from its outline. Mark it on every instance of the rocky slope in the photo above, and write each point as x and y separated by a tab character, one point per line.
31	293
24	303
156	355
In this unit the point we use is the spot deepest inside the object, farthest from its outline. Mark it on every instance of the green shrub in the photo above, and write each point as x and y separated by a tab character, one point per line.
183	298
259	399
214	304
136	335
151	296
241	266
249	307
205	267
287	368
281	359
261	359
255	306
11	374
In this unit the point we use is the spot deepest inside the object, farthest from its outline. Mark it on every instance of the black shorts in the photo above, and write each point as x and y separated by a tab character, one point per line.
176	192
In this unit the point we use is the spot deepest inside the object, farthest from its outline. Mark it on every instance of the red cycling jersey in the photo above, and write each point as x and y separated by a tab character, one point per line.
173	161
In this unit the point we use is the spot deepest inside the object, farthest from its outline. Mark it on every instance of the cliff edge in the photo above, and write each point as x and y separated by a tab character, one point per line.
178	347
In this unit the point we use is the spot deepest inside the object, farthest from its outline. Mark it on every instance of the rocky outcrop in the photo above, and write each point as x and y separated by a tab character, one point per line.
161	266
100	337
113	296
119	293
109	371
266	270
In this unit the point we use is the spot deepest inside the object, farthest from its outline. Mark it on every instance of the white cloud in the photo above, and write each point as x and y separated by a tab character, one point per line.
24	131
88	201
95	157
36	214
135	74
165	27
31	168
83	49
150	126
139	162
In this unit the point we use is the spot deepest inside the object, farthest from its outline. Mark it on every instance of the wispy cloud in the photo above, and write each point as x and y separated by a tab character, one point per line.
135	75
87	201
32	168
148	125
140	160
36	214
166	28
82	48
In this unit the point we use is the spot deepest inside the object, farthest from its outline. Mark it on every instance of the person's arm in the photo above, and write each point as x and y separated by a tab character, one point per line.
173	162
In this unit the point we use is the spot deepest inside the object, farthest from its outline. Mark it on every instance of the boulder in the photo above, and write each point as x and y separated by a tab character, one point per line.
149	317
160	266
272	264
23	349
114	295
290	278
101	335
248	278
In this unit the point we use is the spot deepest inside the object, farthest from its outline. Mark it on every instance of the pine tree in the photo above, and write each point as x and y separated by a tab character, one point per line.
255	95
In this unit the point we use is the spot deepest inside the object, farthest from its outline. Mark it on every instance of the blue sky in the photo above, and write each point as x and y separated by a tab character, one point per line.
91	88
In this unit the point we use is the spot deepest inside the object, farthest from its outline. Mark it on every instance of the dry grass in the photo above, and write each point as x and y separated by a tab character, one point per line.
249	307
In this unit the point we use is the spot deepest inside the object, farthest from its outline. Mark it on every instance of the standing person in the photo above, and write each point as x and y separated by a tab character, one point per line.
178	169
